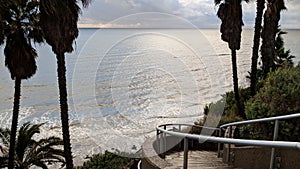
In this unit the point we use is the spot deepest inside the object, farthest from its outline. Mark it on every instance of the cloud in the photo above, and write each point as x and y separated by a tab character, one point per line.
202	13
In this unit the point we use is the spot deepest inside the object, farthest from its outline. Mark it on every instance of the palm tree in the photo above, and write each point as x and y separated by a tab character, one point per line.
282	57
230	13
260	5
19	27
271	20
59	23
30	152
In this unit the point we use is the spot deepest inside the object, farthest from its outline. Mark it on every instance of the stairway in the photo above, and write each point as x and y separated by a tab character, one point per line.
197	160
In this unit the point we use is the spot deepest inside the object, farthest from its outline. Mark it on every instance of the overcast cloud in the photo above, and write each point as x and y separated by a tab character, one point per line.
201	13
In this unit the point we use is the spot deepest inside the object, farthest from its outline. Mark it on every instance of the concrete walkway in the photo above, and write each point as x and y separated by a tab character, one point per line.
197	160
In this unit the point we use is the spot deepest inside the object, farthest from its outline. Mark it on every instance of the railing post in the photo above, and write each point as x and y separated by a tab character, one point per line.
158	141
185	155
164	149
273	149
180	143
219	133
229	145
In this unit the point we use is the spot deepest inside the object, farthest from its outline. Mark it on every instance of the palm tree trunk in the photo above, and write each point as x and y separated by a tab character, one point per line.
61	70
260	5
239	107
14	123
271	19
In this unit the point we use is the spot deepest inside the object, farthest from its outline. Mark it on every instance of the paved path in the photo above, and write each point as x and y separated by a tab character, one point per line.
197	160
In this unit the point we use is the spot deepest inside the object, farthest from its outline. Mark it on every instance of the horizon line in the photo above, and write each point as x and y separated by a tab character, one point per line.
247	28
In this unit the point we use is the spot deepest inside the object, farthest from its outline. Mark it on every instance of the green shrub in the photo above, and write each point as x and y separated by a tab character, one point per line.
230	106
280	95
227	109
108	160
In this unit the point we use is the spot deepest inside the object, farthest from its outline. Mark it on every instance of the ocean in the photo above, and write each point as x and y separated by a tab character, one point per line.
122	83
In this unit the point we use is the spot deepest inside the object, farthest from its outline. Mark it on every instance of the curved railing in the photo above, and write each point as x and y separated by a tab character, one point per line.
163	130
275	134
276	118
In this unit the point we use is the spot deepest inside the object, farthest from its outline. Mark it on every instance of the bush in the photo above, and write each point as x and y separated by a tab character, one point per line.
109	160
280	95
230	106
227	109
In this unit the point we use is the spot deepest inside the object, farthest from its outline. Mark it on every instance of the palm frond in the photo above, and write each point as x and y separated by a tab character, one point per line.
3	161
2	26
4	136
21	63
25	139
280	5
40	164
218	2
34	153
45	151
85	3
59	23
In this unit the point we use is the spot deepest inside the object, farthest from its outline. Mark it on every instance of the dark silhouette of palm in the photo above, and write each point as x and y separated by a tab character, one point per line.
19	27
283	58
59	23
260	5
230	13
29	152
271	20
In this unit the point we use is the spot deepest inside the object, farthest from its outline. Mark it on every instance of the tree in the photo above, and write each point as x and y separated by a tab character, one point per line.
230	13
260	5
271	19
30	152
59	23
19	27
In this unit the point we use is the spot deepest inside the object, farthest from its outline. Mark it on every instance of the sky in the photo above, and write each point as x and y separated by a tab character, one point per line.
166	13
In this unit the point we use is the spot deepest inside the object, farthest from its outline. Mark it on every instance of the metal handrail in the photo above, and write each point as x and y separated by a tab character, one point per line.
284	117
202	138
263	143
188	125
275	134
179	134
